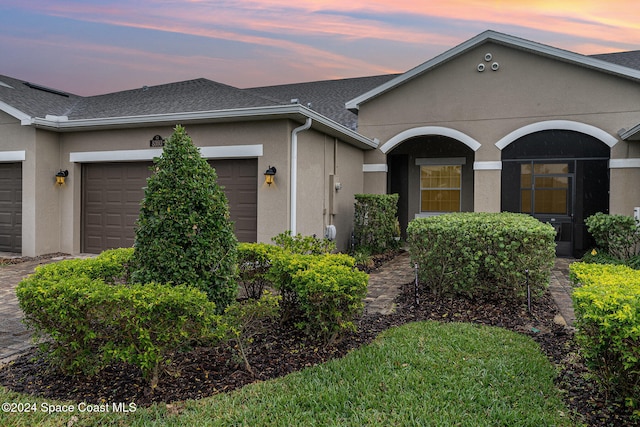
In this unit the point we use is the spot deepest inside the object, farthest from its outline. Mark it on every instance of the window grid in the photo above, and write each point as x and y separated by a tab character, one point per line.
440	188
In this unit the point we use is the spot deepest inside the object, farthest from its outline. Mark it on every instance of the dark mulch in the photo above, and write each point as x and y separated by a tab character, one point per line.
207	371
20	259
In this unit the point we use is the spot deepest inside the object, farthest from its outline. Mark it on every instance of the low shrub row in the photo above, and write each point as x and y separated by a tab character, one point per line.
475	254
322	294
607	308
91	322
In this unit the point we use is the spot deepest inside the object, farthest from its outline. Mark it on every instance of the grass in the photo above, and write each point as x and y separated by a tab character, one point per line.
424	373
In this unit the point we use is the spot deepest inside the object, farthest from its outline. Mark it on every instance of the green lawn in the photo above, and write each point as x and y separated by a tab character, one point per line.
423	373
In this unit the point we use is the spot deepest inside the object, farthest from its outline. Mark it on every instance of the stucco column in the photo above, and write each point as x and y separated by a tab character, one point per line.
487	187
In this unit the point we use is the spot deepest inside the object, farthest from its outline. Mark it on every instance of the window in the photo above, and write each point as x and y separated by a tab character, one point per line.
544	188
440	188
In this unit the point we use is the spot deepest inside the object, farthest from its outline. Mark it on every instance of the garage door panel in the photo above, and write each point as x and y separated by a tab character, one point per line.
11	207
112	193
113	220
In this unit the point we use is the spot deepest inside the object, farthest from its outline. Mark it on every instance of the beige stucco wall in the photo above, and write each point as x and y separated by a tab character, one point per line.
272	135
45	218
625	194
527	89
324	161
316	162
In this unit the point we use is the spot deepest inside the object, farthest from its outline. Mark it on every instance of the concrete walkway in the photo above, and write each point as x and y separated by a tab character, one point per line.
383	289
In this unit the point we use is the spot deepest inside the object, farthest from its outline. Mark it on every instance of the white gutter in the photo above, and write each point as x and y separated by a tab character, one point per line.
294	111
294	173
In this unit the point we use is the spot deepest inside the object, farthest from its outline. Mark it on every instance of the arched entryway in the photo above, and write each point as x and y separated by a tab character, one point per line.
561	177
433	174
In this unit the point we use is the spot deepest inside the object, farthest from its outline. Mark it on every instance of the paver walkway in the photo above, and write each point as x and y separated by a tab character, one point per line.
383	289
14	337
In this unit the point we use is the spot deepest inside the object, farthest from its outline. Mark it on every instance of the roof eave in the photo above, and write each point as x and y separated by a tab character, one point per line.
24	118
632	134
294	112
504	39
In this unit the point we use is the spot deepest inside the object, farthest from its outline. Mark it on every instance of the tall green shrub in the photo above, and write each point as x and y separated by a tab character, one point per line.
376	222
619	235
183	234
482	253
607	307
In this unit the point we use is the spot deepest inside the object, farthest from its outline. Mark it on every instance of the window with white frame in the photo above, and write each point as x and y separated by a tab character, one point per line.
440	185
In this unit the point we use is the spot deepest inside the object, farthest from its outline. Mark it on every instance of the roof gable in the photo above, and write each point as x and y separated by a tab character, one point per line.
591	62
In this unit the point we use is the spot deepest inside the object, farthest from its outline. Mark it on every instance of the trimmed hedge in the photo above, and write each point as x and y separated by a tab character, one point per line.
607	308
322	293
475	254
92	323
376	223
618	235
254	261
304	245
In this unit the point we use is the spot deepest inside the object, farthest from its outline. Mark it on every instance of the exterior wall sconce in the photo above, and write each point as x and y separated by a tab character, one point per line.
269	175
60	176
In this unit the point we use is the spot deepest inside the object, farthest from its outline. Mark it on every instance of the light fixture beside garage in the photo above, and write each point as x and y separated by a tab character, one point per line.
269	175
60	176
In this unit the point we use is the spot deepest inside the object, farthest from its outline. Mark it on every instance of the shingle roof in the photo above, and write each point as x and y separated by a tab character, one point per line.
630	59
36	101
327	97
187	96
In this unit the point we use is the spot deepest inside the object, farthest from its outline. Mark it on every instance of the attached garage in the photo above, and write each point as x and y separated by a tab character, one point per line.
11	207
111	195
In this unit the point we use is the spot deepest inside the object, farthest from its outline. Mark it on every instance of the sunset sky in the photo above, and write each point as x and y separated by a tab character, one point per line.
91	47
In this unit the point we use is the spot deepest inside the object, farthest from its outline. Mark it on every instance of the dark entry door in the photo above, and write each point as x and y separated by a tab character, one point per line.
547	191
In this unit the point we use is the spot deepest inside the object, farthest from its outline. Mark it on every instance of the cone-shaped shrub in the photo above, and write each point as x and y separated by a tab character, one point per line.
183	234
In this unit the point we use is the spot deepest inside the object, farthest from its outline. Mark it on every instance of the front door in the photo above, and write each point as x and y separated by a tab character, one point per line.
547	192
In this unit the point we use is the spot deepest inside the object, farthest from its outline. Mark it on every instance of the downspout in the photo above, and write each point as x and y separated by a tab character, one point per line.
294	173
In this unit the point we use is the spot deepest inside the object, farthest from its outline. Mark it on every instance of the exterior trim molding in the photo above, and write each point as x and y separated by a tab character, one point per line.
375	167
440	161
430	130
295	112
219	152
624	163
24	118
561	125
487	166
13	156
632	134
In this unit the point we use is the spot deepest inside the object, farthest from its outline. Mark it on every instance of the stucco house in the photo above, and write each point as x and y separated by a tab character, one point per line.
497	123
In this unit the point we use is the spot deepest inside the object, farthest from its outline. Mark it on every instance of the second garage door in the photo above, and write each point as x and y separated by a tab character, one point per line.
112	193
11	207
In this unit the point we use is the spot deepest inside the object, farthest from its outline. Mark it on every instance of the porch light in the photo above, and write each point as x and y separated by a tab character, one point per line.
269	174
60	176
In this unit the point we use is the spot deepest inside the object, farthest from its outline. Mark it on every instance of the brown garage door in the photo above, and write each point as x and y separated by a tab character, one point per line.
11	207
112	193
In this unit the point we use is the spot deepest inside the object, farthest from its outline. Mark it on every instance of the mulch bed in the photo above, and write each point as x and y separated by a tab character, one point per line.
207	371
